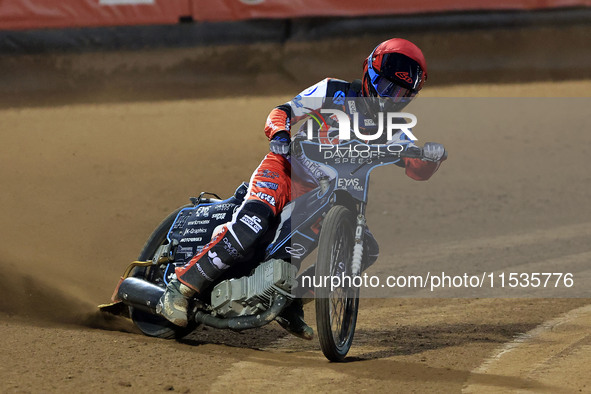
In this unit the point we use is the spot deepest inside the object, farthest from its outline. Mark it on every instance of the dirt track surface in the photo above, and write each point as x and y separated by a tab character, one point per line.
84	185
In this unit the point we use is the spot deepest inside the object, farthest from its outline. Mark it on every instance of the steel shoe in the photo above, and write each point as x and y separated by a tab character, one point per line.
292	320
174	303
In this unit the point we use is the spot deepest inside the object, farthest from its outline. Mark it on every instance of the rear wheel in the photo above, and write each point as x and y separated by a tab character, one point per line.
150	324
336	309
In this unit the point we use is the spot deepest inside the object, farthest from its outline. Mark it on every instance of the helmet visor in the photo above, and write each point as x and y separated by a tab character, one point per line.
386	88
402	69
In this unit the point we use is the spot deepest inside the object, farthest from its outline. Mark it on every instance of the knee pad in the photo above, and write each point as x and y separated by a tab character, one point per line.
229	246
248	224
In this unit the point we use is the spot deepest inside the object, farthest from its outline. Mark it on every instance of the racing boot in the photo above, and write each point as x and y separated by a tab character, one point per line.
292	320
174	303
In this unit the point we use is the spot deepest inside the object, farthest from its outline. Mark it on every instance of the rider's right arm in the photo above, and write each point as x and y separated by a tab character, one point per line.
415	168
420	170
283	116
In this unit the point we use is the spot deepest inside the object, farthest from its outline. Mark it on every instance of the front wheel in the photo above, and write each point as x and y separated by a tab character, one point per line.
336	308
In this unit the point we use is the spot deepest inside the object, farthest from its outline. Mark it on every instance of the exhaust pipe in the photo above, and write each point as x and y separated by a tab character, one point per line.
140	294
240	323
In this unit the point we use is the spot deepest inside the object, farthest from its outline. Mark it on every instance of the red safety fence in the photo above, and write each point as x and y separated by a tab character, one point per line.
219	10
34	14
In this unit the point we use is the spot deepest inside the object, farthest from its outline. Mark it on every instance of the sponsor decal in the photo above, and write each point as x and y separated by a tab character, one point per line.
339	97
215	260
297	101
313	167
186	251
203	272
268	174
198	222
182	219
197	239
352	183
310	90
358	153
265	197
267	185
218	216
296	250
230	249
224	206
253	222
270	125
404	75
352	106
202	211
191	231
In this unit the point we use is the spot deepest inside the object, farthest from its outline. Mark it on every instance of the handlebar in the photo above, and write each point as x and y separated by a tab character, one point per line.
383	152
417	153
413	152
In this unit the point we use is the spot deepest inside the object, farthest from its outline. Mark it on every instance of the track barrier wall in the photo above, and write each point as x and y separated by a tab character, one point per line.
40	14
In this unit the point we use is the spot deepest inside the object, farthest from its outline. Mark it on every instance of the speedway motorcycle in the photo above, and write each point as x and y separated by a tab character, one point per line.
329	218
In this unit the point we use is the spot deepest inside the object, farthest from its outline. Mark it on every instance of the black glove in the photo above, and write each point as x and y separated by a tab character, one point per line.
280	143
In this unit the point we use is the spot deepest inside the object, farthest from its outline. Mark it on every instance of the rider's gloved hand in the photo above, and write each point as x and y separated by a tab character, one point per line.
280	143
432	151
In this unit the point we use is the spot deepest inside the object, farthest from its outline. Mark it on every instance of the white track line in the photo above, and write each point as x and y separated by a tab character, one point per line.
544	360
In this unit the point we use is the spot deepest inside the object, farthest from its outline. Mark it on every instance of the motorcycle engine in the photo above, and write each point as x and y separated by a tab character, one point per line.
253	294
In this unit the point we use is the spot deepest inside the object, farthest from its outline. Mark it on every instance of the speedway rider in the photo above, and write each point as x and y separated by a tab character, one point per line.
395	71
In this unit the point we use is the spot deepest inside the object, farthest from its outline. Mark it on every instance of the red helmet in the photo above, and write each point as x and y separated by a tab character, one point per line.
396	68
